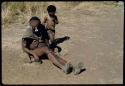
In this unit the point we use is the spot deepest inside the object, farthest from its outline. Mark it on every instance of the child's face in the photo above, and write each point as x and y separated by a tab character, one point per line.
51	13
34	23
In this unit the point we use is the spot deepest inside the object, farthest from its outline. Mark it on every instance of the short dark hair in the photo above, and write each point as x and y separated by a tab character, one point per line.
51	8
35	18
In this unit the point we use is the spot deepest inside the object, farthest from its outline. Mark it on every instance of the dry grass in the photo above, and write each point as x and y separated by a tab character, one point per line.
96	40
22	11
96	5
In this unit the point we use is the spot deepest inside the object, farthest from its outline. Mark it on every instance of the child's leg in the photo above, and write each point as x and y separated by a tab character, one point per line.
51	36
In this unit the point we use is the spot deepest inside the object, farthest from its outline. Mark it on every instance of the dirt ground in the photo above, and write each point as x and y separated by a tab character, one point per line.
96	40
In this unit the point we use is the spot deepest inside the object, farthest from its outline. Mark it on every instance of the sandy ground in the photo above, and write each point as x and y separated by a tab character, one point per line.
96	40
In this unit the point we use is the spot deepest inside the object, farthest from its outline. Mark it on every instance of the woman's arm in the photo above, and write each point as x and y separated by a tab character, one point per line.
24	47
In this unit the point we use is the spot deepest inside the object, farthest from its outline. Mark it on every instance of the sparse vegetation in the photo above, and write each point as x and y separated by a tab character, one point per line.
22	11
96	39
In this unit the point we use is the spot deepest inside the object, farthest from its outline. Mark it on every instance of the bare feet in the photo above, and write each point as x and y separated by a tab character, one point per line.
67	68
77	69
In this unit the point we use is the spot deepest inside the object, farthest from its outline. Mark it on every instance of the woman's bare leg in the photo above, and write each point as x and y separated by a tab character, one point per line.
55	61
61	63
54	58
61	60
38	51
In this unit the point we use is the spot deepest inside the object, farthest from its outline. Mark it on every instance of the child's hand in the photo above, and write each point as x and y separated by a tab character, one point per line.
56	20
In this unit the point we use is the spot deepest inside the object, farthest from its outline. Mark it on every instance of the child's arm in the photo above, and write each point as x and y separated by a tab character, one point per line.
56	20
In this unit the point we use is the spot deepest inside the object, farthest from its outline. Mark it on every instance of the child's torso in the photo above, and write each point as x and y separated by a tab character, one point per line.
50	23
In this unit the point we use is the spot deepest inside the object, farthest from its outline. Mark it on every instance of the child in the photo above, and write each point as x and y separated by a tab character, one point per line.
50	21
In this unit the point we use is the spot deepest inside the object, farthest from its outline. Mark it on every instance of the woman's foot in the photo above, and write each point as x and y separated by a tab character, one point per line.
77	69
34	60
67	68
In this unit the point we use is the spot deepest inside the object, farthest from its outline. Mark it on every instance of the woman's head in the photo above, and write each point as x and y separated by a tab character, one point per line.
34	21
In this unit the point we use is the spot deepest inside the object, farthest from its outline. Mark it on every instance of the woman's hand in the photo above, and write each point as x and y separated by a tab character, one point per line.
35	56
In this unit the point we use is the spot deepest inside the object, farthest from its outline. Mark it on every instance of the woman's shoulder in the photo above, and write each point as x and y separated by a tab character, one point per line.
28	32
28	27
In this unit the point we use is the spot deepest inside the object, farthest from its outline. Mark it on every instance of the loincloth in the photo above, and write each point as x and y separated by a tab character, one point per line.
51	30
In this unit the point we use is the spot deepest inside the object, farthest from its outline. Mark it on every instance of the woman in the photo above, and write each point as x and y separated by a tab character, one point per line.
40	46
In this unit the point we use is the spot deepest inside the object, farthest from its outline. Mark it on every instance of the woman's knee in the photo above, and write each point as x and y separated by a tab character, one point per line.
38	51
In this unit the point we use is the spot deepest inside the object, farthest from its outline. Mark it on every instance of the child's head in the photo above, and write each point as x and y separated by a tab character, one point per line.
51	10
34	21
